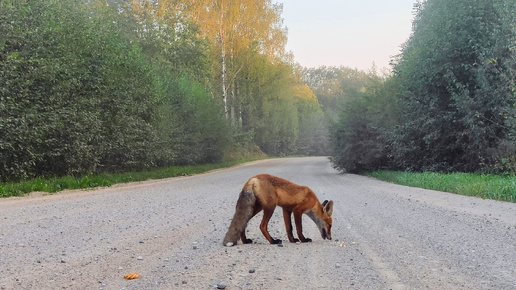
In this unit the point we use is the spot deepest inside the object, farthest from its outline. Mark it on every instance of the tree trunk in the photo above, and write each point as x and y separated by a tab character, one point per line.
223	60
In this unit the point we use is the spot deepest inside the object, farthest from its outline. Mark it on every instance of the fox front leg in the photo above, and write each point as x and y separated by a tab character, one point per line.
299	227
287	217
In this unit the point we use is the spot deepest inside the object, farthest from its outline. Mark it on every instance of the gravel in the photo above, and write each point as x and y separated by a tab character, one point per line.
170	232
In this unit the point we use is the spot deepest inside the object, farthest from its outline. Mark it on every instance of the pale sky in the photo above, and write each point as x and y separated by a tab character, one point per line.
352	33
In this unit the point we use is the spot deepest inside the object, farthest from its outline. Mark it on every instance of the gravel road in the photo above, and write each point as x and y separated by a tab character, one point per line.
170	231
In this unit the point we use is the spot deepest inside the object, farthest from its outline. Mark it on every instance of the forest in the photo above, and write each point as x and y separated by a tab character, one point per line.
449	103
91	86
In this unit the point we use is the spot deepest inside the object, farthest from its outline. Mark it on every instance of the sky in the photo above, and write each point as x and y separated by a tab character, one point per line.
352	33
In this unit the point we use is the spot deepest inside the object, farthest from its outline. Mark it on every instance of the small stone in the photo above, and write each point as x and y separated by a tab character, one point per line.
229	244
140	258
221	286
252	271
337	265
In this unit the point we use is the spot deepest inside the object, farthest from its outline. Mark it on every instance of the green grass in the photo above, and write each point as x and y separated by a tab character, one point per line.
52	185
487	186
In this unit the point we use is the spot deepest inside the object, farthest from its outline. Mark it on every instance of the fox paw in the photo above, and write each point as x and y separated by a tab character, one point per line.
248	241
275	242
307	240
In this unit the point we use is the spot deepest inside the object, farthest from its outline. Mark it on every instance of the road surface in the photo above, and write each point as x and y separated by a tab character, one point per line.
170	231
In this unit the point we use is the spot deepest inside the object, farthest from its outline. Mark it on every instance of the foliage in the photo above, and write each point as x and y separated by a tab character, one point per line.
196	131
450	104
116	85
276	129
313	133
335	85
80	97
360	136
52	65
457	86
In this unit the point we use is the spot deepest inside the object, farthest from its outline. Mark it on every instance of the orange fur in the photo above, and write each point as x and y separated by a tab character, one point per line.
265	192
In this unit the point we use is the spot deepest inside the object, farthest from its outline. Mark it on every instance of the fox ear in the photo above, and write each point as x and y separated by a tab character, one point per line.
328	207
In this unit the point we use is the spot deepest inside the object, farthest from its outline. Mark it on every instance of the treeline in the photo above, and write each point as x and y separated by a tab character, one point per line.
93	86
449	104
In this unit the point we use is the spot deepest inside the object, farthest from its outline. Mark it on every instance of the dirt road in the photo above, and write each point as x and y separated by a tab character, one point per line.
384	237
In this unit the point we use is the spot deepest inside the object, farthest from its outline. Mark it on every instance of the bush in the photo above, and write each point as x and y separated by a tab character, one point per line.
79	97
360	136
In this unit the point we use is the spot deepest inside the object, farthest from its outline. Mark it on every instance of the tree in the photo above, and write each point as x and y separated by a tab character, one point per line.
360	137
81	94
335	85
452	73
234	27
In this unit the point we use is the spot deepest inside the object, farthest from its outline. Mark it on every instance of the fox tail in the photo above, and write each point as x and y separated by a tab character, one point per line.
244	212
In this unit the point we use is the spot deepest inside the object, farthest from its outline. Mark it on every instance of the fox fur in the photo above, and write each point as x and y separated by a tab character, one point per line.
265	192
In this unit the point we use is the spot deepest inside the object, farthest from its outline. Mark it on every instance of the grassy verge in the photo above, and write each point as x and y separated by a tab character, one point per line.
488	186
90	181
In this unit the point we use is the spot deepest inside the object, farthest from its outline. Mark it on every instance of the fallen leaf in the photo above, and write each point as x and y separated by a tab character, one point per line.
131	276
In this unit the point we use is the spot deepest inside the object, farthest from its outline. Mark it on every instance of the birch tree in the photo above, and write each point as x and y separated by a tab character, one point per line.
235	26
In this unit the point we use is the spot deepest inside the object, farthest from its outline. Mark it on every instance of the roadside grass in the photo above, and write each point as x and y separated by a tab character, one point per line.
52	185
487	186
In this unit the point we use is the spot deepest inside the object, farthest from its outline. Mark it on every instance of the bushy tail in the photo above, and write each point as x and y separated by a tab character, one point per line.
244	212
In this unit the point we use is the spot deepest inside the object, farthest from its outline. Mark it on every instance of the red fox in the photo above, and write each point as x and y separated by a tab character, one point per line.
265	192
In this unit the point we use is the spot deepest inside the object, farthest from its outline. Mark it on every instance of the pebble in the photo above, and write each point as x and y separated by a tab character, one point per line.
221	286
140	258
252	271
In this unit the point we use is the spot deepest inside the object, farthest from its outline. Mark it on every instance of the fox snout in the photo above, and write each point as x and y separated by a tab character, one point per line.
325	234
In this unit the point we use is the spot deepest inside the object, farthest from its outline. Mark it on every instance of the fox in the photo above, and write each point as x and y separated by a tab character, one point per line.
266	192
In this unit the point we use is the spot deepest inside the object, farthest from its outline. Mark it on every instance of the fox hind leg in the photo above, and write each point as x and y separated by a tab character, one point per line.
267	214
256	209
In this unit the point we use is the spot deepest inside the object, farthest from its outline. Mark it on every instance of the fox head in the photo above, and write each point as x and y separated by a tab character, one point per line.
326	220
